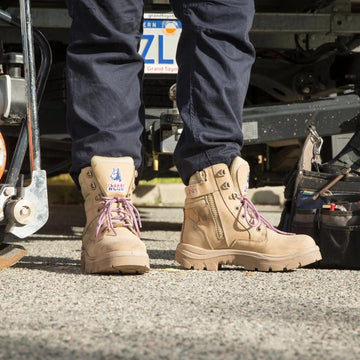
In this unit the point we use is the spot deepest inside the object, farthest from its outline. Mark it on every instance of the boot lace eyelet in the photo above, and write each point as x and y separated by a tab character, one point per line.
258	228
221	172
225	186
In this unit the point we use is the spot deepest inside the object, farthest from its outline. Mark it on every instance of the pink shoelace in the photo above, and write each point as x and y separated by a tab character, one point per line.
254	218
124	214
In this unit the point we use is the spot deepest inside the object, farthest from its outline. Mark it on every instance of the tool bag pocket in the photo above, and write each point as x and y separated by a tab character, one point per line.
339	239
305	222
337	233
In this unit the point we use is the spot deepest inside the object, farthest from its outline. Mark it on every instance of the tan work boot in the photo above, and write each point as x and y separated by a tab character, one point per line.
222	226
111	239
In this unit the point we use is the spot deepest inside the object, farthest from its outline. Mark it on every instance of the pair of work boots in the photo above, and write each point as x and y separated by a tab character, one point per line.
221	225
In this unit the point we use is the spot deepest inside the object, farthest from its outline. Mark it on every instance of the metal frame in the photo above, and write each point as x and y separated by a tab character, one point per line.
332	22
19	205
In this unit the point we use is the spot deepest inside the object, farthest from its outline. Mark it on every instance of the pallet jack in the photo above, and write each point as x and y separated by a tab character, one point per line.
23	209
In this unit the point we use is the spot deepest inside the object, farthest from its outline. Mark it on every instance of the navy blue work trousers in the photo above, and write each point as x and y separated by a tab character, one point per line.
105	113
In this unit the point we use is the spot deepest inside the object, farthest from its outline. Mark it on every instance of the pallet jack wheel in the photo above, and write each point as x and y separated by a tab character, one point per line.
10	254
2	156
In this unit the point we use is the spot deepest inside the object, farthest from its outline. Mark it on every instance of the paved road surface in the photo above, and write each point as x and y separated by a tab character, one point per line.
50	310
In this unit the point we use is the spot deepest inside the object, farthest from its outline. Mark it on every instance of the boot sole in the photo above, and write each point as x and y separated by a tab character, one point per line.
116	262
192	257
10	255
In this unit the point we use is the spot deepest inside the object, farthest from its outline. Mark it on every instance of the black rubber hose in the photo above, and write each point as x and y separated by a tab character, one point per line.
45	54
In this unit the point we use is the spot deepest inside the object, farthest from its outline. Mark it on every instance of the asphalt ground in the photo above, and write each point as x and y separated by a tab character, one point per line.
50	310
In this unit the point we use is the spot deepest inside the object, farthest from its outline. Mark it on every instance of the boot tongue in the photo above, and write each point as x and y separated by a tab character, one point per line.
114	175
197	178
239	171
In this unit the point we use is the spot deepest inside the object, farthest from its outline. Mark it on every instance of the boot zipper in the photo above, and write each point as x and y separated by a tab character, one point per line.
216	217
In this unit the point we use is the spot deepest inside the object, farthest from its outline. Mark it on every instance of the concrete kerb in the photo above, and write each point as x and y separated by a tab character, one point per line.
163	195
267	195
160	194
174	195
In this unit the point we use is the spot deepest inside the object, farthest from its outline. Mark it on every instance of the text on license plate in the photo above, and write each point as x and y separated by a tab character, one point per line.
158	44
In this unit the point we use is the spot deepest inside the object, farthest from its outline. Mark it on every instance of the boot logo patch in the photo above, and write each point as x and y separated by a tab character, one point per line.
116	183
191	191
246	186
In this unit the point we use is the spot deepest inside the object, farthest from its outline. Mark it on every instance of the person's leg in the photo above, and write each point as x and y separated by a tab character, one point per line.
221	225
105	115
105	119
214	57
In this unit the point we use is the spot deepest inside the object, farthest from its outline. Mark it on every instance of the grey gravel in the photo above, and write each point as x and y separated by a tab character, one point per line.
50	310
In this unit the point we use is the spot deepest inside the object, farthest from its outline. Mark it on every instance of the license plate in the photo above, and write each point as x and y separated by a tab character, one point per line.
159	42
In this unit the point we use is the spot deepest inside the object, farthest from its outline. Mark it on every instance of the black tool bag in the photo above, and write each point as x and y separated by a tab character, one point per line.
324	206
